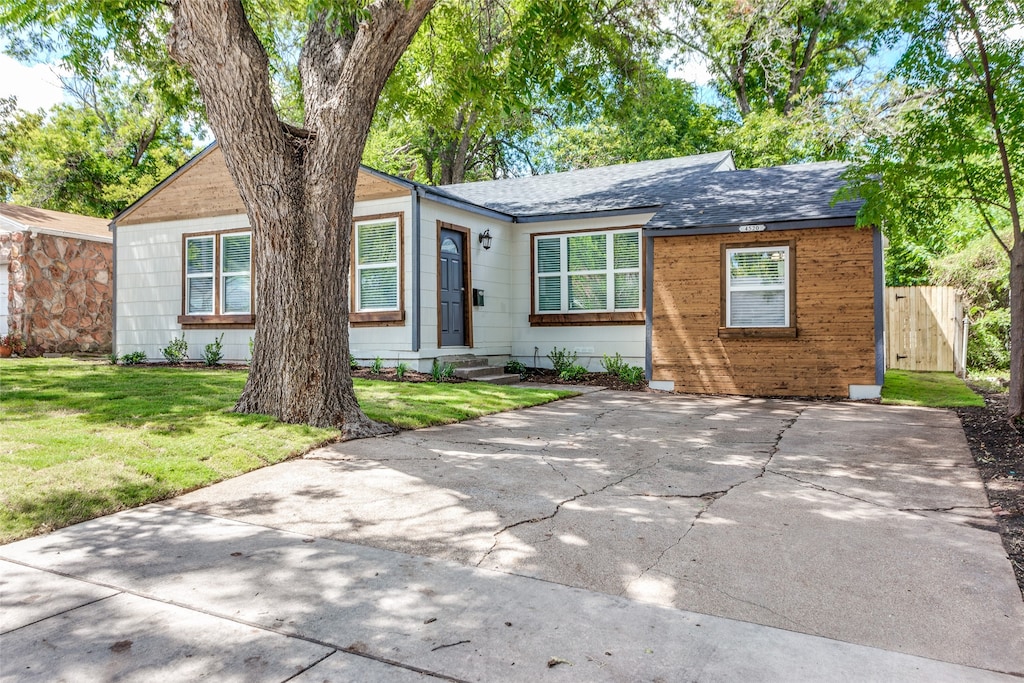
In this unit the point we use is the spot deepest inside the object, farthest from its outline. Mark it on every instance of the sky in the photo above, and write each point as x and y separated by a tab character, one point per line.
35	86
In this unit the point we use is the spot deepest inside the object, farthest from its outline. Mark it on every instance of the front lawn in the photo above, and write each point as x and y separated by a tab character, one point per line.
931	389
80	439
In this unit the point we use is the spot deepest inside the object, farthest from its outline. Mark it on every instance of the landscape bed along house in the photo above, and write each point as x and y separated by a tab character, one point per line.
714	280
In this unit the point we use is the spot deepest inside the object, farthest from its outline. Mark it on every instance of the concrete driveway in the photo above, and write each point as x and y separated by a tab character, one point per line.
611	536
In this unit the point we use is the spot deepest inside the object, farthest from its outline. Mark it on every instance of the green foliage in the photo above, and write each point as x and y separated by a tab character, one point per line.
561	359
15	126
353	363
213	353
614	365
988	344
401	369
439	372
176	351
377	366
931	389
632	375
134	358
572	373
515	367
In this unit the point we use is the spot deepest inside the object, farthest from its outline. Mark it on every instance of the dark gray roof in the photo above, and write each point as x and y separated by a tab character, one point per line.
642	184
761	195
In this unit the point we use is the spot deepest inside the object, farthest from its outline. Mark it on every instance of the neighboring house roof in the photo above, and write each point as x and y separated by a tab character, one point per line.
18	218
763	195
637	185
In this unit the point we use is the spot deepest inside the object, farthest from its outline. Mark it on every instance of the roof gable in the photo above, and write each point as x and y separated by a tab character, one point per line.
203	188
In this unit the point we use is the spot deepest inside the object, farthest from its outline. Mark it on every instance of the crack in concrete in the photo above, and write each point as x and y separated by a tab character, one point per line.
711	496
558	507
803	628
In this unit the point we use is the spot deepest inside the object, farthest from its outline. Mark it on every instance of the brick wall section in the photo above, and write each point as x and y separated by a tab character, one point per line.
61	292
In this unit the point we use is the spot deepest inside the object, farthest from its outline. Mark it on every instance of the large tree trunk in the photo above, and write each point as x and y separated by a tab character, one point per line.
299	189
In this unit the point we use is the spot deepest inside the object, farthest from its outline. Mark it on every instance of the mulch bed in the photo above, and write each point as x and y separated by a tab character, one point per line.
389	375
591	379
998	450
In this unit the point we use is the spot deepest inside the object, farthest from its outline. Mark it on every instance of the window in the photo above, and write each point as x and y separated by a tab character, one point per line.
376	272
588	273
377	266
757	286
217	278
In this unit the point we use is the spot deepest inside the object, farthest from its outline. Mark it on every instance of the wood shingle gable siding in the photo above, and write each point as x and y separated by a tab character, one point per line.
834	345
203	188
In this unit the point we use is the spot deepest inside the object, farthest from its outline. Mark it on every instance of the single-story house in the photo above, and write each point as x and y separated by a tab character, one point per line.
715	280
56	280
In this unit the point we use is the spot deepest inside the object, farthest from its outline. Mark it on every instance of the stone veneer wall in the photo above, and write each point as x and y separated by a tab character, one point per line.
61	292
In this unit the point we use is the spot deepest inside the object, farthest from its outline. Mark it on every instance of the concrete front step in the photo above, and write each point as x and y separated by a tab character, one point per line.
497	379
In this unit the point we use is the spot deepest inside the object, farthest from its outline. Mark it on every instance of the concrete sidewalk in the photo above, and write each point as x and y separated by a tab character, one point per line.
828	541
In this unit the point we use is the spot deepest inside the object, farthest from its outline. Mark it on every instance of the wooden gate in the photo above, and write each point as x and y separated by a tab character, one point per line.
924	329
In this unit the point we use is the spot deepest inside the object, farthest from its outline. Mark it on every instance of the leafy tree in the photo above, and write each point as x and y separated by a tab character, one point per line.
15	126
958	149
100	154
788	67
650	117
466	98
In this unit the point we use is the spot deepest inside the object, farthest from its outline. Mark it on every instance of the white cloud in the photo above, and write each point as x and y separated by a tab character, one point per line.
691	68
35	86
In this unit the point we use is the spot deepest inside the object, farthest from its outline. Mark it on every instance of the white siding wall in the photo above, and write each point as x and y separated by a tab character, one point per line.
149	290
532	344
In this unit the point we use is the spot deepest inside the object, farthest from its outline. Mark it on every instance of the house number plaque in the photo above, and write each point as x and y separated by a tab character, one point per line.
752	228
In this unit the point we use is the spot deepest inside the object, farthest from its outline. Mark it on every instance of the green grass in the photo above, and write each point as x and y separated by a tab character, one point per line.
81	439
931	389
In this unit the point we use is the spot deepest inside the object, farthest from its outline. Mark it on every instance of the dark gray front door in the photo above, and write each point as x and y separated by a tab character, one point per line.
452	288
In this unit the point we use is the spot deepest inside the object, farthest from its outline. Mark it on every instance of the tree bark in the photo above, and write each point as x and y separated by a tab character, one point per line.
299	189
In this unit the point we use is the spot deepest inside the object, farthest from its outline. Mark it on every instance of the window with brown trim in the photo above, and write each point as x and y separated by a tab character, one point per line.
217	279
758	297
377	277
591	277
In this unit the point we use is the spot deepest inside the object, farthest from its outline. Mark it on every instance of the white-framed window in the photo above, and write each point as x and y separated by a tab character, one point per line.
757	286
377	267
587	272
218	274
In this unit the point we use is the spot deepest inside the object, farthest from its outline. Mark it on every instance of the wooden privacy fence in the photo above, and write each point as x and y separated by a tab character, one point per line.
924	329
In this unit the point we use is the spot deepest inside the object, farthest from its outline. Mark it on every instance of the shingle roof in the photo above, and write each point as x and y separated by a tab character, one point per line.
30	217
762	195
609	188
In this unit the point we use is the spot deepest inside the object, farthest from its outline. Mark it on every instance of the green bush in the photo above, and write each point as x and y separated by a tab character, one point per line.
573	372
632	375
988	343
561	359
213	353
176	351
353	363
514	367
439	372
377	366
134	358
614	365
401	369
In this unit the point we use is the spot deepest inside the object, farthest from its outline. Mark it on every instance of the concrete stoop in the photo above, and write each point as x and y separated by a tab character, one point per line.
470	367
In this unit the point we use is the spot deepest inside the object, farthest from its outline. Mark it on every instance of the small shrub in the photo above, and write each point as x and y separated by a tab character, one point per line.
561	359
439	372
988	345
514	367
134	358
614	365
573	372
401	369
377	366
176	351
112	358
14	342
213	353
353	363
632	375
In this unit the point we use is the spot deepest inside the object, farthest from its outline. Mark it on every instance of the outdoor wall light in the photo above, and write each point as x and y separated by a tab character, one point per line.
485	239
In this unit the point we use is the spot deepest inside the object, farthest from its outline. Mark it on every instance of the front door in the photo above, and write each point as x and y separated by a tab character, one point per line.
452	287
